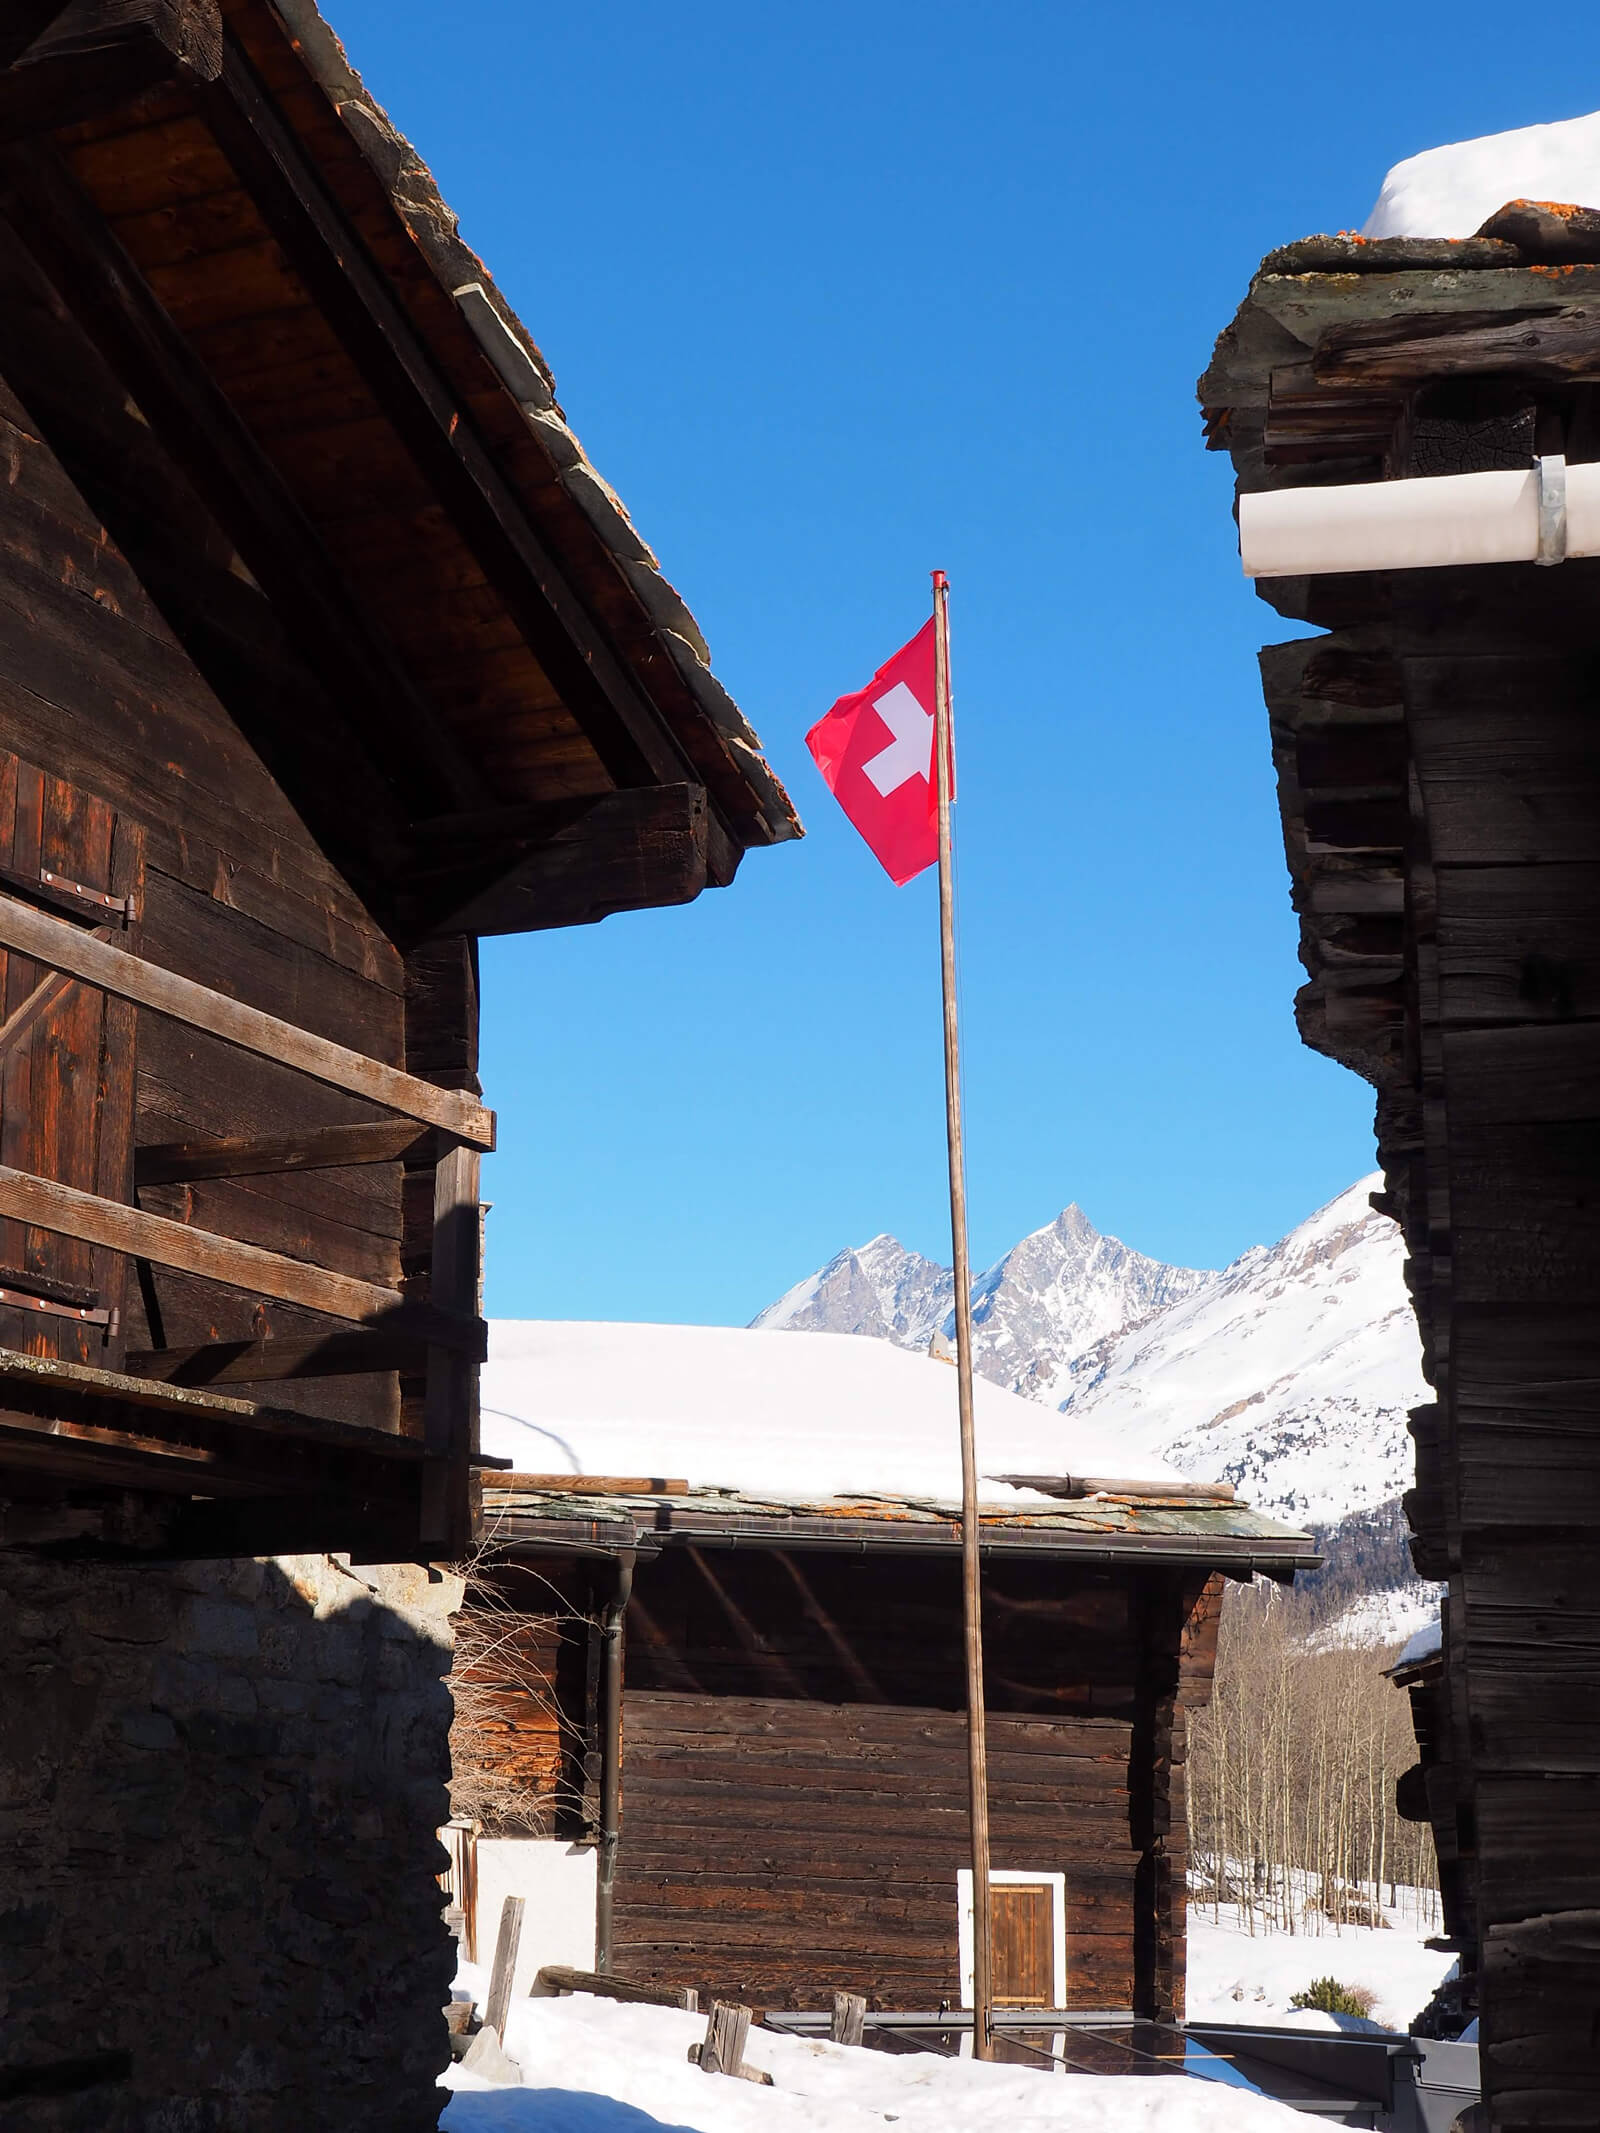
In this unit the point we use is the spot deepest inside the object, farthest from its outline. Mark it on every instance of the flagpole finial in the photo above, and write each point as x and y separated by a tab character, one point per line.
940	582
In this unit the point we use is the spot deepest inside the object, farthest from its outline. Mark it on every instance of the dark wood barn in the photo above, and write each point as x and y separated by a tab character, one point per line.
770	1750
323	652
1440	791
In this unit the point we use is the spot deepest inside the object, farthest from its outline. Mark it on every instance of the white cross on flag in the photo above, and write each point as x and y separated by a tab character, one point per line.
875	752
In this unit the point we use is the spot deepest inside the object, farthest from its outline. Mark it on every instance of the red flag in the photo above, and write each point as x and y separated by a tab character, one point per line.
875	752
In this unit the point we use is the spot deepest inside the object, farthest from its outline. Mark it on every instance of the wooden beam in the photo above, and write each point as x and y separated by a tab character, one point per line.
99	57
44	996
70	1213
60	945
450	1425
398	1344
592	1484
318	1148
552	1979
197	425
1538	341
623	851
23	23
381	339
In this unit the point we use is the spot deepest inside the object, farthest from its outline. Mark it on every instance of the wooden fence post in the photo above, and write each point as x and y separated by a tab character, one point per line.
505	1965
849	2022
727	2027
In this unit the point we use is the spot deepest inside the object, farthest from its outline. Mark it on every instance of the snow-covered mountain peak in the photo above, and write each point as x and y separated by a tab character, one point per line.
1289	1374
1041	1314
879	1288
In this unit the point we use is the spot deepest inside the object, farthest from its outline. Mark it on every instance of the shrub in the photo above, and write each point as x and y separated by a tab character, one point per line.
1327	1996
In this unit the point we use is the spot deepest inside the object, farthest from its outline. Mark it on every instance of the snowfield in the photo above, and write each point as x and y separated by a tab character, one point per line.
592	2066
1235	1976
800	1415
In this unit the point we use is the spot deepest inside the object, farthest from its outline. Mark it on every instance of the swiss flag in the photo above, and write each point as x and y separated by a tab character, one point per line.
875	752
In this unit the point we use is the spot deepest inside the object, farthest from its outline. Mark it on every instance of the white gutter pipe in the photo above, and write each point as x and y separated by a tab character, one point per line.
1542	516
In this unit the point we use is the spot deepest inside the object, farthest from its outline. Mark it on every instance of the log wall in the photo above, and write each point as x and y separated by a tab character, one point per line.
237	892
794	1769
1441	810
776	1851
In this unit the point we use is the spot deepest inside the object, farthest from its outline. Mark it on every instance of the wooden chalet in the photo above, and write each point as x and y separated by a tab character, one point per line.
750	1700
1436	753
324	651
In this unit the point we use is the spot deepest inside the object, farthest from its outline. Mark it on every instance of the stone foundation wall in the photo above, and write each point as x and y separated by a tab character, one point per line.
219	1786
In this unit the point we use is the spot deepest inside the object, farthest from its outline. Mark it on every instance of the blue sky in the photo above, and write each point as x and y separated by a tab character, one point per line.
835	295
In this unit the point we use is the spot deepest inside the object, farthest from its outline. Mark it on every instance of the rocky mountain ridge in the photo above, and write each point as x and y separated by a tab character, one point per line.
1288	1373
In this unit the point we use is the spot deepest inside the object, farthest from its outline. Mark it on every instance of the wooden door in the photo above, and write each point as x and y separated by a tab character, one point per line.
1022	1919
66	1063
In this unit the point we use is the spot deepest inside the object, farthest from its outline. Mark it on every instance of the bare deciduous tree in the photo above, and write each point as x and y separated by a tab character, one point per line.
1292	1770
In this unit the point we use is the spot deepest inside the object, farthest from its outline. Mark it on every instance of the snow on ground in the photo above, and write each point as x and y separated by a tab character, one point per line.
592	2066
788	1414
1451	192
1379	1619
1235	1976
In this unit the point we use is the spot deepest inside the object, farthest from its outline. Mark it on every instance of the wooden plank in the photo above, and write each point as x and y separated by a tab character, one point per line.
62	946
106	64
450	1414
70	1213
626	851
26	20
186	410
1536	341
318	1148
557	1978
504	1967
284	1356
592	1484
386	348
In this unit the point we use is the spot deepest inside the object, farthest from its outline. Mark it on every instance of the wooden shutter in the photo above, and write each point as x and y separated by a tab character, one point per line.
67	1074
1022	1917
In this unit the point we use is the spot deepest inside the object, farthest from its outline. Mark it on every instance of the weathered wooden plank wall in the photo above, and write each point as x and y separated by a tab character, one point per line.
884	1629
237	893
775	1851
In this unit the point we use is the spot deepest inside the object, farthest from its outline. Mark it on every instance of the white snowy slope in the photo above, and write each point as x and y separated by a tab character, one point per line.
1380	1619
1451	192
786	1414
1040	1315
1288	1374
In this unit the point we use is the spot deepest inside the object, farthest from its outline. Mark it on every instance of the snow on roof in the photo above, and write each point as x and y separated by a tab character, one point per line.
1423	1645
1451	192
789	1414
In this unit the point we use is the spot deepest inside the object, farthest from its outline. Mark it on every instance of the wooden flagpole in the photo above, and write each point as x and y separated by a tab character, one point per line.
971	1589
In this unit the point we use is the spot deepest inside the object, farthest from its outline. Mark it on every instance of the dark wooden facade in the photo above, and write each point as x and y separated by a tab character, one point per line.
1437	762
793	1745
323	651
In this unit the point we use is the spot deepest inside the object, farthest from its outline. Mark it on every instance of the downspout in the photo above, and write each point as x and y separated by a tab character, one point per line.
1544	515
611	1756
